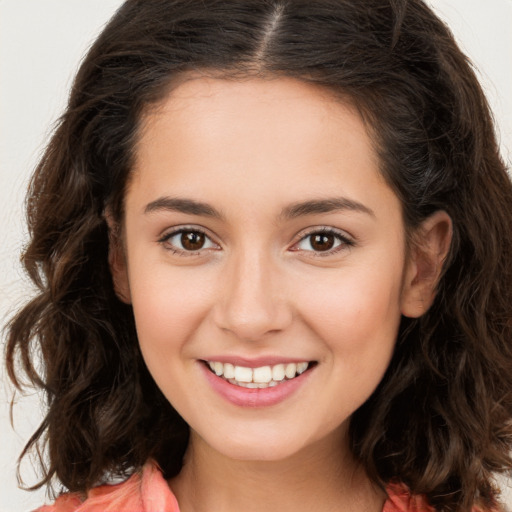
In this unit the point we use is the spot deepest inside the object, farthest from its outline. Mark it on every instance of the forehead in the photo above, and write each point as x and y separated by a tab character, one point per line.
275	138
212	101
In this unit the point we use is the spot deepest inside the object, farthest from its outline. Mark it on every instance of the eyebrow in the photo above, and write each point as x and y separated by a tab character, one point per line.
188	206
311	207
329	205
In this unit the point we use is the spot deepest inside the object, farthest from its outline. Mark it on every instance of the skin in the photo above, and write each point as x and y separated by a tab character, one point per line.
251	151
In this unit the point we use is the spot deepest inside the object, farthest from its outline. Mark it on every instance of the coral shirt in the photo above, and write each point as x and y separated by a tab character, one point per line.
148	492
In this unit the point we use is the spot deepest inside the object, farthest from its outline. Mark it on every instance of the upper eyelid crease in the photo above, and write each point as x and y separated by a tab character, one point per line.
164	239
184	229
304	234
344	235
345	238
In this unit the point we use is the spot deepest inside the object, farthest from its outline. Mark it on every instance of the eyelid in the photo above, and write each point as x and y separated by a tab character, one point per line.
347	241
175	230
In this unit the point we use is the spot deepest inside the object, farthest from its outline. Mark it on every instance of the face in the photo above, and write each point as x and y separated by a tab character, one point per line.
264	257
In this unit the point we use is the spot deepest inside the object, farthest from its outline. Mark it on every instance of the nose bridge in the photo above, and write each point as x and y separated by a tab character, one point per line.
254	302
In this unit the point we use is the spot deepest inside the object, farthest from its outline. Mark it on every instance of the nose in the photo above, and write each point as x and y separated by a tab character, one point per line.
253	302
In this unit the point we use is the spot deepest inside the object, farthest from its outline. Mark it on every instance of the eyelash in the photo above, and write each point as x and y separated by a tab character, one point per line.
164	240
344	241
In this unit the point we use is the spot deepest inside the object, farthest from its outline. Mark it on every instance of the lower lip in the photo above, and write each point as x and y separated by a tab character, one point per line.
250	397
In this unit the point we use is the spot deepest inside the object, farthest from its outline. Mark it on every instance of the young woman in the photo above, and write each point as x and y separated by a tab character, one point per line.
272	243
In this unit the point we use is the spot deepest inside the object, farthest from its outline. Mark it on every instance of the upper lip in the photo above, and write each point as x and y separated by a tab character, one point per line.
255	362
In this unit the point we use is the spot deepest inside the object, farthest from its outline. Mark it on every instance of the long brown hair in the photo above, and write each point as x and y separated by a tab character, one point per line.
440	421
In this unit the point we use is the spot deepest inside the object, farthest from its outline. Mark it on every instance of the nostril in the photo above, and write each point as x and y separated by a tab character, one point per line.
252	306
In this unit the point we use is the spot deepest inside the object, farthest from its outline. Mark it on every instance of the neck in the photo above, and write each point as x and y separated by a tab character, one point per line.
317	478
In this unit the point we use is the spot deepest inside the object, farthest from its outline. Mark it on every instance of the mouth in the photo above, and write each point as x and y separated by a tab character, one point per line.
261	377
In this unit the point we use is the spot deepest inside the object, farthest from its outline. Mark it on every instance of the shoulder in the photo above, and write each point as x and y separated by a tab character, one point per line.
147	491
144	491
400	499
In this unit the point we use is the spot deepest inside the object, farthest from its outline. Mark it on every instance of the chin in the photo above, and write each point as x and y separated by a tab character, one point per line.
261	449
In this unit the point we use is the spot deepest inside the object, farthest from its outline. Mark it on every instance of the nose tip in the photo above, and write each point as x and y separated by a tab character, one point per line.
248	330
253	324
253	304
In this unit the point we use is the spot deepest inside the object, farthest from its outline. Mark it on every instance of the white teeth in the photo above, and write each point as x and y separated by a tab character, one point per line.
261	377
290	370
218	368
278	372
262	374
243	374
302	367
253	385
229	371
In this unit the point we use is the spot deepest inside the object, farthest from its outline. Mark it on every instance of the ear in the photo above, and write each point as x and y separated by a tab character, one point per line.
429	250
117	260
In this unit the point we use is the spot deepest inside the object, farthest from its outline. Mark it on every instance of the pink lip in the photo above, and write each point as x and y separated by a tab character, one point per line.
246	397
255	362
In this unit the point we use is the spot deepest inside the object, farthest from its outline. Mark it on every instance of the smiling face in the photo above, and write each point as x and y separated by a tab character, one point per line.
260	240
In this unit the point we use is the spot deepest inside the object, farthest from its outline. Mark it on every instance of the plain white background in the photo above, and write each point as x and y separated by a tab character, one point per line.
41	45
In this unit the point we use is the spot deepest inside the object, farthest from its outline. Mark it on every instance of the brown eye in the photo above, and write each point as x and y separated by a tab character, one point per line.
322	241
186	242
192	240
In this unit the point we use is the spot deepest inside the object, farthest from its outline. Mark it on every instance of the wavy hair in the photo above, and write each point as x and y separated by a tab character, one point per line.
440	420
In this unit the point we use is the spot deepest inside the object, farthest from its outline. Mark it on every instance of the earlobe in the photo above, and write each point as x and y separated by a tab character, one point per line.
117	261
431	244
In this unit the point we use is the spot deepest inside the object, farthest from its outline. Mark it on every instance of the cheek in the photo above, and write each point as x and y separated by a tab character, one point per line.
169	304
356	319
356	312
